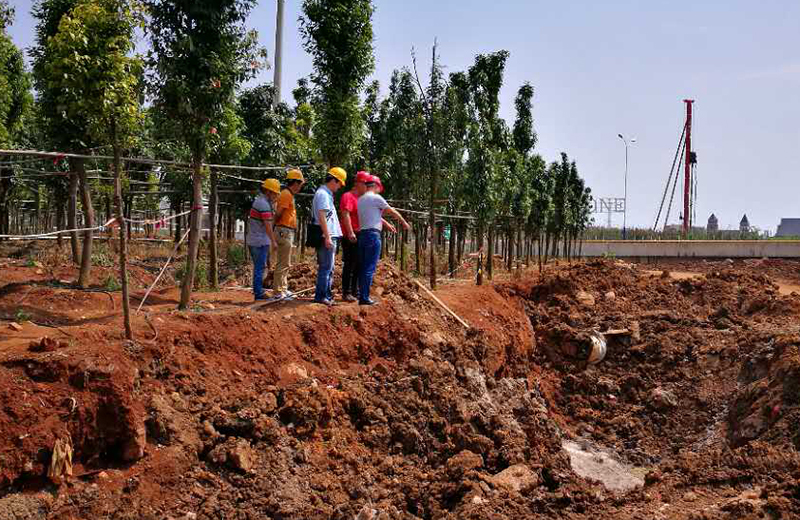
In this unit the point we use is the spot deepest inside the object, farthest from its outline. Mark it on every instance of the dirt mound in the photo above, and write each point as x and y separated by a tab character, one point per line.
50	394
767	405
399	412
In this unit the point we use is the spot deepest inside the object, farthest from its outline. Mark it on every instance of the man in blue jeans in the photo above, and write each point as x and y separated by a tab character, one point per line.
324	214
371	207
261	234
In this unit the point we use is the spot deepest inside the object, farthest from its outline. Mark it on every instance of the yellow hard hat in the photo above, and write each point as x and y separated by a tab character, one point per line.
295	175
272	185
339	174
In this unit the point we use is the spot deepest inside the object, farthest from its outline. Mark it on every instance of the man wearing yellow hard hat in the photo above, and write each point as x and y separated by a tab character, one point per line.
285	227
260	235
325	232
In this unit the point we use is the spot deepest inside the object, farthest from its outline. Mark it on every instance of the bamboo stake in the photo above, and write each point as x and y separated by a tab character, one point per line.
445	307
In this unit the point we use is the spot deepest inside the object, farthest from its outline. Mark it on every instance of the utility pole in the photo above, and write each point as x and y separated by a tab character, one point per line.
687	163
278	52
625	209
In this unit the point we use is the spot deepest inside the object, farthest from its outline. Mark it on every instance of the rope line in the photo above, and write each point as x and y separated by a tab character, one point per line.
63	231
161	273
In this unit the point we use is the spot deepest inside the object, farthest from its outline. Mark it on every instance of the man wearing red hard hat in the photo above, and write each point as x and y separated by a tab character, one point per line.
371	207
348	209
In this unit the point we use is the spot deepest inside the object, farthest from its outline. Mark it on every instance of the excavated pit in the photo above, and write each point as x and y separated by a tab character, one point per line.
397	412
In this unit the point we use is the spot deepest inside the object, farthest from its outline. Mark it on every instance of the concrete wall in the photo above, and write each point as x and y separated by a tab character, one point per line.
692	248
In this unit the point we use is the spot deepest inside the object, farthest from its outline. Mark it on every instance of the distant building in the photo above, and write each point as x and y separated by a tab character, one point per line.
713	224
789	227
744	225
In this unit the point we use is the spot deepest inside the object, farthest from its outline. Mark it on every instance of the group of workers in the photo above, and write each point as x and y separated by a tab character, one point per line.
273	222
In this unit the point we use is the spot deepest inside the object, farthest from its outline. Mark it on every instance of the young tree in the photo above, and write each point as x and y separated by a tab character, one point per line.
485	138
95	74
201	52
63	132
15	104
338	35
15	83
524	140
228	146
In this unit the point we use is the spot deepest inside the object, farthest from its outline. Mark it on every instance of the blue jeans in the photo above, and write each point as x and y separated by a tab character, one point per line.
369	251
260	256
325	260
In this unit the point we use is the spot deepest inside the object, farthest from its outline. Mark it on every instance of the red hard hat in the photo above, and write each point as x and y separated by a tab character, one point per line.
377	180
363	176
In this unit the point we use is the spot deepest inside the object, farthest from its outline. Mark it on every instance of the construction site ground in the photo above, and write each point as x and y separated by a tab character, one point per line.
232	410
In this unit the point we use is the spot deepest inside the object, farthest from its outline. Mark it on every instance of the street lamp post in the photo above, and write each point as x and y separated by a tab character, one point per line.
625	196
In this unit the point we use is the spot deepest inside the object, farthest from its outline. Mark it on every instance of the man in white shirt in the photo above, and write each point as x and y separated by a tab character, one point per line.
371	207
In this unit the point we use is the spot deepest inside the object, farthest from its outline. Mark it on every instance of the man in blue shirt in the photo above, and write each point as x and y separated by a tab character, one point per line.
324	214
371	207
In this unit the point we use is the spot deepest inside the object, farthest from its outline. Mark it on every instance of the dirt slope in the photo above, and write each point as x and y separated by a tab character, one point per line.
297	411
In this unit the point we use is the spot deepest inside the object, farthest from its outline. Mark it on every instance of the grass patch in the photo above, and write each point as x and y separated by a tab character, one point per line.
111	284
236	255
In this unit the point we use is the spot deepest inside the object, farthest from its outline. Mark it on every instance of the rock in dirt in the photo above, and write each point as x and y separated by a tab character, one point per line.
133	449
585	299
463	462
662	399
241	456
518	477
367	513
610	296
293	369
16	327
46	345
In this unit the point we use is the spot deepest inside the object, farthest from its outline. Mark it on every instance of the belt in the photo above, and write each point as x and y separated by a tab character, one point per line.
368	230
287	227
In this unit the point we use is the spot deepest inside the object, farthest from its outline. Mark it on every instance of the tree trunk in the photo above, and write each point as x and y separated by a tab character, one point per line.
510	252
213	273
5	207
490	253
194	232
403	250
434	233
178	226
418	249
451	251
60	220
88	212
123	234
462	242
72	216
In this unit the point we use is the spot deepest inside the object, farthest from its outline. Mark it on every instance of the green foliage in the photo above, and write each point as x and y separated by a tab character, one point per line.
15	83
61	132
22	316
90	67
236	256
111	284
524	136
200	274
264	125
338	35
102	256
201	52
6	15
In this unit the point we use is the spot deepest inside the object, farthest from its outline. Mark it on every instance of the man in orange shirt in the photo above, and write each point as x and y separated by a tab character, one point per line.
286	227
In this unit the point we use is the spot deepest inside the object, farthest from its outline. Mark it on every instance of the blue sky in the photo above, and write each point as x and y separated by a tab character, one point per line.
603	68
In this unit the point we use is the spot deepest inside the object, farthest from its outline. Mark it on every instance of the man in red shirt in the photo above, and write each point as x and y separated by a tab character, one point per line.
348	209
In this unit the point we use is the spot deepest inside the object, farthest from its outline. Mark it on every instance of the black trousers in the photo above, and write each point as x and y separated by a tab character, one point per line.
351	267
